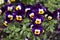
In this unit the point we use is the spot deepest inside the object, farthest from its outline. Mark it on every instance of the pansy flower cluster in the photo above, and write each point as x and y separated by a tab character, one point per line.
37	13
14	12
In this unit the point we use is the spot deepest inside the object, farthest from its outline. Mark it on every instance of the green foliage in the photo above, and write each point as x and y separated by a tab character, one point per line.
28	2
51	4
49	25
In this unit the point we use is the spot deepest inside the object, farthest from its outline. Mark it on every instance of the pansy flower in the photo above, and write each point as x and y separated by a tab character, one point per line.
9	16
48	15
31	14
38	20
9	7
28	8
39	9
5	23
19	7
37	30
19	18
42	10
56	14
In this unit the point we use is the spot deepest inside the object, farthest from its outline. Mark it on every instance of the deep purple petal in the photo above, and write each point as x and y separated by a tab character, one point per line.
55	13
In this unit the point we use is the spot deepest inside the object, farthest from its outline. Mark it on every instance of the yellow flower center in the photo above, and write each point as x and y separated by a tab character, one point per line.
41	11
31	15
19	18
10	17
38	21
49	18
0	11
12	0
5	23
37	31
18	7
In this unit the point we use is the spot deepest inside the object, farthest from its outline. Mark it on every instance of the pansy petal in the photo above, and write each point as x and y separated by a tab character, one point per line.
56	14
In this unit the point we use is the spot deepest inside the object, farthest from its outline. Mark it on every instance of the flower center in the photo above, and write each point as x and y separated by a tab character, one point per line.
41	11
10	17
49	18
12	0
37	31
19	18
5	23
31	15
38	21
18	7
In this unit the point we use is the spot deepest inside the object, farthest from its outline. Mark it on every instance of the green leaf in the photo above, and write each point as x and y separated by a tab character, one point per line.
17	29
38	38
34	38
21	33
24	27
29	35
44	36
